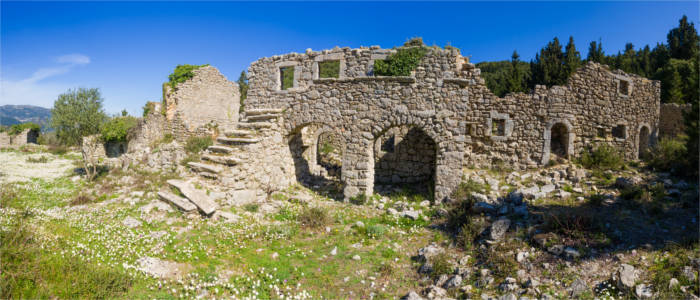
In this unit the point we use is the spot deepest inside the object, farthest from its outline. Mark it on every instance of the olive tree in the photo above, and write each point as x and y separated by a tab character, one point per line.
77	113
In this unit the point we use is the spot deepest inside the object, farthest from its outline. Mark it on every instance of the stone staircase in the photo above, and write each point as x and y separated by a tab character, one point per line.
228	150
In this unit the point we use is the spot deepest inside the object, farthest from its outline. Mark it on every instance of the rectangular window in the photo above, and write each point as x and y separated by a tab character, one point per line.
624	87
601	132
329	69
498	127
619	132
287	77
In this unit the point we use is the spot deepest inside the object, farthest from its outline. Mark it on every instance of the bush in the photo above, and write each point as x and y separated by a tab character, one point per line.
287	74
116	129
329	69
251	207
18	128
182	73
198	143
375	231
314	217
668	155
441	265
465	190
401	63
359	199
148	108
603	157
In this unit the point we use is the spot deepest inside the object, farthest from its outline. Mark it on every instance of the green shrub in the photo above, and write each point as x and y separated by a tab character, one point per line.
196	144
148	108
668	155
327	148
401	63
602	157
465	190
441	265
329	69
116	129
414	42
314	217
251	207
359	199
375	230
18	128
182	73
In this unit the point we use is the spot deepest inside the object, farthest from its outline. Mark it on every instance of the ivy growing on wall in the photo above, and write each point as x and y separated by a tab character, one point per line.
182	73
401	63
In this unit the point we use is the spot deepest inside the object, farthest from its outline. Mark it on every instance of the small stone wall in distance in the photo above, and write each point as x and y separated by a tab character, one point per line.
671	119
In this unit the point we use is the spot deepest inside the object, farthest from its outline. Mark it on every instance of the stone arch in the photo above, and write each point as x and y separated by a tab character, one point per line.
303	146
563	138
643	139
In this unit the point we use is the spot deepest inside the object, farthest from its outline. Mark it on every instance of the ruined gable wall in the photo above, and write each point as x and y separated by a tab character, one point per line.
206	100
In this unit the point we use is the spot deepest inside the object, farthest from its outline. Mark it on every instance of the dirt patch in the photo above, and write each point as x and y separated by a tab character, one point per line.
15	167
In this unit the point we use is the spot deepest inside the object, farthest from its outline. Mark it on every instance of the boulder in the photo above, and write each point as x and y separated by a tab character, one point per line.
578	287
625	276
499	228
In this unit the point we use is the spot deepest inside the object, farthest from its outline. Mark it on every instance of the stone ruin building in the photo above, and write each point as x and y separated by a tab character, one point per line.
383	131
27	136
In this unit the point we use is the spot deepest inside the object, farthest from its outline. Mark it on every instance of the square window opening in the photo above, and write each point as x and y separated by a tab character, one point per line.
286	77
498	127
619	132
601	132
329	69
624	87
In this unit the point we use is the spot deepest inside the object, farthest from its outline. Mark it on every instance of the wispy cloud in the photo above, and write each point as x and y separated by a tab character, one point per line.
34	90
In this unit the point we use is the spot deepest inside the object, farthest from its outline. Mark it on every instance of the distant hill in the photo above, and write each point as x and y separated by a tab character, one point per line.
15	114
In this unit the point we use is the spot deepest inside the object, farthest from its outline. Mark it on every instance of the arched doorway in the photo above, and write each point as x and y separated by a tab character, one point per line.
317	151
643	142
559	142
405	160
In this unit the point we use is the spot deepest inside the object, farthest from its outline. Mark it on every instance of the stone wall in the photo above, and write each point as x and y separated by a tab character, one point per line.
671	119
201	103
446	99
27	136
404	155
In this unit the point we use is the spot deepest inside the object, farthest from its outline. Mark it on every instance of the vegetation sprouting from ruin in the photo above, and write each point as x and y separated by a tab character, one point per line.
182	73
287	74
18	128
117	128
404	61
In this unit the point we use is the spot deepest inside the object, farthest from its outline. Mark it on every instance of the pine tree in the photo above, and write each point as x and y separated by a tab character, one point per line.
572	58
595	52
547	67
683	41
515	82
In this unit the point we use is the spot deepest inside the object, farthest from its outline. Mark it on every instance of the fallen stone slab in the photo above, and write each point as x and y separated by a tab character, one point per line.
198	197
224	160
178	201
204	167
160	268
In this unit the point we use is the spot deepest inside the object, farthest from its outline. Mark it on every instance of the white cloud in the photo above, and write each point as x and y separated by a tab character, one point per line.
33	91
75	58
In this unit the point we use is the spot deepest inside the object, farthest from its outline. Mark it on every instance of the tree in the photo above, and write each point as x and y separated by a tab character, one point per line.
77	113
595	52
691	123
515	81
683	41
124	113
547	67
572	58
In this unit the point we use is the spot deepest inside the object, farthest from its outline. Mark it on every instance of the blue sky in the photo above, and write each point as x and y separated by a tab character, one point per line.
127	49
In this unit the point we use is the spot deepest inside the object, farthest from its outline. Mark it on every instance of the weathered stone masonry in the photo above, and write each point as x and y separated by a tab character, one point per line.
446	99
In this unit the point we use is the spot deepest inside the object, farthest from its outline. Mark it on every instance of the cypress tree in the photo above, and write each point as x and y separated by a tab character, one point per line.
572	58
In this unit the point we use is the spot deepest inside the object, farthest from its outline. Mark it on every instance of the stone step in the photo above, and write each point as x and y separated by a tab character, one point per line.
220	149
255	125
204	167
262	117
208	175
226	140
262	111
178	201
239	133
198	197
224	160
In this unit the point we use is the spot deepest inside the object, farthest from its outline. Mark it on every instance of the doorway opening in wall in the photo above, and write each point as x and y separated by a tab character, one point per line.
643	142
317	151
407	172
559	142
